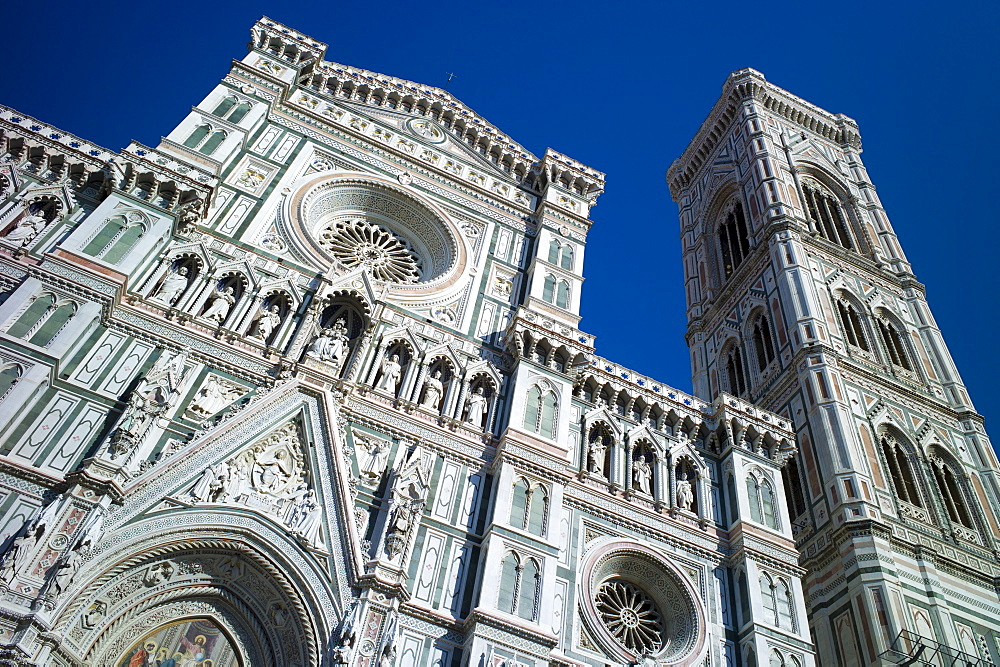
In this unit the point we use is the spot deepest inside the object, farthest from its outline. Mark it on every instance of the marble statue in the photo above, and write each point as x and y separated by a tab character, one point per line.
595	456
391	371
433	389
26	229
685	494
642	474
172	286
267	323
331	344
223	301
475	407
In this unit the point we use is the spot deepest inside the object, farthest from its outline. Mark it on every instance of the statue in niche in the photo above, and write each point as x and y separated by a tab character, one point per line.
267	323
15	557
433	389
391	371
595	457
175	283
26	229
93	529
475	407
331	344
685	493
221	303
44	520
642	474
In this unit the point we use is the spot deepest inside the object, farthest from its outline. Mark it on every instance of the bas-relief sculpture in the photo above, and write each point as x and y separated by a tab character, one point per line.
263	432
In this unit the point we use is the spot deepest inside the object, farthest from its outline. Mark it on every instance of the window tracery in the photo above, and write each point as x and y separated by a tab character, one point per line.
894	344
357	242
763	343
43	319
116	237
204	140
734	372
540	411
898	462
760	494
519	586
733	239
851	321
827	215
947	479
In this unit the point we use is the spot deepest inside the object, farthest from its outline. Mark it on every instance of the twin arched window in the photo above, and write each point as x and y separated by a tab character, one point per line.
44	318
763	344
760	495
115	238
205	140
540	411
776	596
529	507
232	109
951	493
894	344
854	330
900	472
519	586
734	240
561	254
556	292
827	216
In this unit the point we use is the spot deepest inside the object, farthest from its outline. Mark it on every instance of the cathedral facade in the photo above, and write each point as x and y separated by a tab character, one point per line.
304	385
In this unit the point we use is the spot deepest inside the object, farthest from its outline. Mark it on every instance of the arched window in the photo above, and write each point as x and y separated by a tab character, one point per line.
538	510
951	493
776	659
734	372
743	590
566	257
792	482
32	316
540	412
225	106
762	342
733	240
894	344
213	142
554	251
786	610
53	324
827	216
9	376
528	587
900	472
769	599
519	585
239	113
853	328
562	295
232	109
549	288
761	498
197	136
519	503
734	500
115	239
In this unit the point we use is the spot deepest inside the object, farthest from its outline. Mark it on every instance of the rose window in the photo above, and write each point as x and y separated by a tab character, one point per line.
358	242
631	615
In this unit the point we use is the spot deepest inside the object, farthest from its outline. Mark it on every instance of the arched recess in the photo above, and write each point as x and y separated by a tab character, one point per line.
234	570
827	204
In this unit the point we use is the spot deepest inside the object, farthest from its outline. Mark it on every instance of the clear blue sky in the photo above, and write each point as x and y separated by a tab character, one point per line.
620	86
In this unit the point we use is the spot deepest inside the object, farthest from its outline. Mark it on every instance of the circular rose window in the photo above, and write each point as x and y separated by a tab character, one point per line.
638	605
348	221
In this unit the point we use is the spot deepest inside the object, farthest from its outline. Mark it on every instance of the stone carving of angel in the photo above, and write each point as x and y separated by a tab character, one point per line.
310	523
223	301
15	557
172	286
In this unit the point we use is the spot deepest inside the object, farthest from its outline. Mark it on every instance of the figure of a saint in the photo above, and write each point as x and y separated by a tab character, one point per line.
390	374
267	323
172	286
642	473
221	304
433	389
595	456
475	407
685	494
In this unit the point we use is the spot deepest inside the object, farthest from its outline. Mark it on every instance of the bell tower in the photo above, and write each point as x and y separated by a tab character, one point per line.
800	299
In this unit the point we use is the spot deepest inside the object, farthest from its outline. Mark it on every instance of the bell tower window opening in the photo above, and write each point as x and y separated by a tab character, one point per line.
853	328
792	481
954	499
894	344
734	372
763	343
900	471
733	240
827	216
